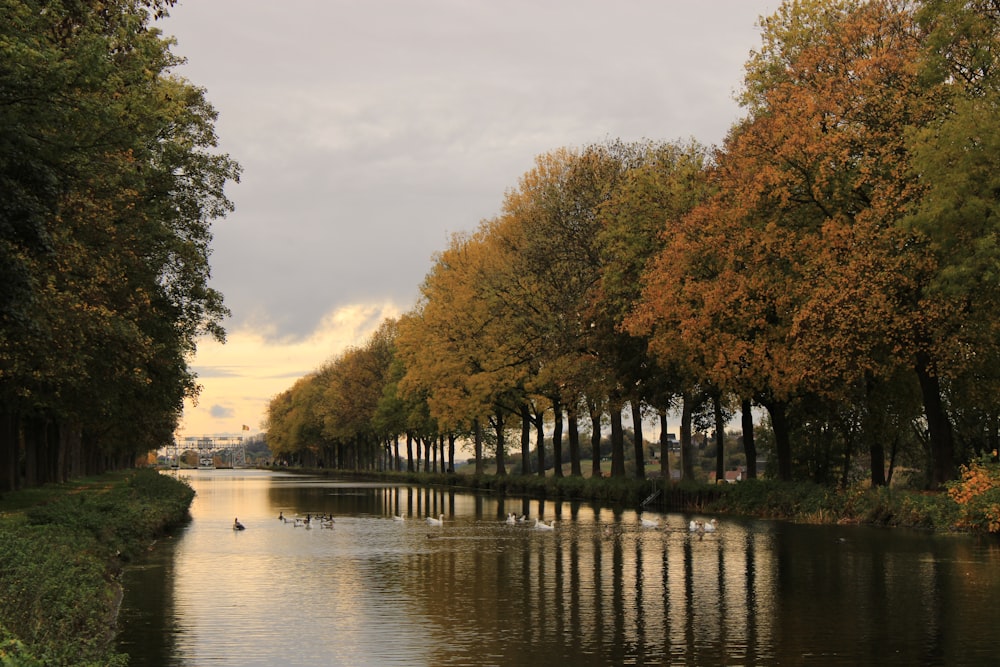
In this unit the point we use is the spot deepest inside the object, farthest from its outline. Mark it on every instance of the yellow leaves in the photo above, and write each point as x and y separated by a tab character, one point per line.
975	480
977	493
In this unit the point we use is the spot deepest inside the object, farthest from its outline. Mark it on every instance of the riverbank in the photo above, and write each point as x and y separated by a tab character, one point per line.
62	548
969	504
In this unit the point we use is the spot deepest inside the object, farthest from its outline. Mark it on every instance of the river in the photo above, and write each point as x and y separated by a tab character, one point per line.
599	589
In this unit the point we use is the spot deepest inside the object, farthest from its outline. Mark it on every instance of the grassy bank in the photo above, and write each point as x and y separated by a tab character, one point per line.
969	504
61	551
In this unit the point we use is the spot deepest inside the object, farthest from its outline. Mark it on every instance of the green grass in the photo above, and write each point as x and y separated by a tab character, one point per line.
62	548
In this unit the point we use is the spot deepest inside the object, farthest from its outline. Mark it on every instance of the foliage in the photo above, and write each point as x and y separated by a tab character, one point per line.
108	186
61	558
977	494
834	262
860	503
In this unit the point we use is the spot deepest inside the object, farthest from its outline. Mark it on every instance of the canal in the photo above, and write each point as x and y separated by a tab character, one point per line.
601	588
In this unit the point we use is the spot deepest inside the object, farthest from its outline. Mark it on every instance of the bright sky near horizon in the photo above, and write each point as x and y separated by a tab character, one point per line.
369	132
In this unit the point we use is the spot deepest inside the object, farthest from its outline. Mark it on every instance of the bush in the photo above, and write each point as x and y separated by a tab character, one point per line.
977	496
60	563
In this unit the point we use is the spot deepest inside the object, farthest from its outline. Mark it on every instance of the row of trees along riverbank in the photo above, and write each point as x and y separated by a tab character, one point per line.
62	547
107	188
834	263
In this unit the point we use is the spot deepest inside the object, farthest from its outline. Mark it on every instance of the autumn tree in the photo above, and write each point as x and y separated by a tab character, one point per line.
660	183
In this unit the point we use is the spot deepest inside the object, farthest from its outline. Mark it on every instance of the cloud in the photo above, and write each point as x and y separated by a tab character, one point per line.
221	412
239	378
369	132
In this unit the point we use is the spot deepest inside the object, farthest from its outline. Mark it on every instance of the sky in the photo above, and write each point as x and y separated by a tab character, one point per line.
370	132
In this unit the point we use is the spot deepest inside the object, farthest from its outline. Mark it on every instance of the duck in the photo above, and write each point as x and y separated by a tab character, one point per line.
511	519
522	519
281	516
397	517
237	525
541	525
650	523
696	526
436	522
711	526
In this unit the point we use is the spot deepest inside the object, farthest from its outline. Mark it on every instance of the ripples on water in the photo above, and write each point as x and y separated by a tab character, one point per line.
598	590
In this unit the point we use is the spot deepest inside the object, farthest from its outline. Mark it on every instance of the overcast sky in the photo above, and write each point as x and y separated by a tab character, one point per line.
370	131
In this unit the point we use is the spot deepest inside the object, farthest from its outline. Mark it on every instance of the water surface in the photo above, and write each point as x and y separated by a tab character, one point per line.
600	589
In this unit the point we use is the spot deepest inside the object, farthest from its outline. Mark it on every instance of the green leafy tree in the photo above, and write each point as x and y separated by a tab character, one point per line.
109	188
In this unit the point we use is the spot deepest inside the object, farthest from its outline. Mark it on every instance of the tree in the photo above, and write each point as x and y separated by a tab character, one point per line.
109	188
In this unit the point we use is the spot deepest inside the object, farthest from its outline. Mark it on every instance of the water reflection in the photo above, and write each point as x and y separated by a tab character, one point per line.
600	589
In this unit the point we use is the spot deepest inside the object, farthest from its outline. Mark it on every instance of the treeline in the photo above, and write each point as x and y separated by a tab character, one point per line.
834	262
108	185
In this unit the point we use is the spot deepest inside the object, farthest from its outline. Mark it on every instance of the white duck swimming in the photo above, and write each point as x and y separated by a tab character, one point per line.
436	522
541	525
650	523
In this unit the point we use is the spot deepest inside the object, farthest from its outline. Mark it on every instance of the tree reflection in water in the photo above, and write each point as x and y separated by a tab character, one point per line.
600	589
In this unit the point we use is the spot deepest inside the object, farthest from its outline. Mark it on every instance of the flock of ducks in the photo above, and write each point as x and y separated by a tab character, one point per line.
696	526
323	520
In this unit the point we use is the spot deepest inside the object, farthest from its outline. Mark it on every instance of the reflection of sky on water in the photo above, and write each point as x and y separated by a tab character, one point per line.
600	589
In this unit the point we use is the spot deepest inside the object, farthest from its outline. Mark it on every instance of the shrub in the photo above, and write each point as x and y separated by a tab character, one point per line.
59	564
977	495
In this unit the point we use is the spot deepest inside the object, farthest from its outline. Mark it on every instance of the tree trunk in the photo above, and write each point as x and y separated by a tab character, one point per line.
782	443
501	467
876	458
574	441
749	444
938	425
539	420
872	432
638	444
410	467
557	429
58	439
664	447
9	446
595	441
720	440
892	458
847	433
617	441
477	439
525	439
687	446
31	438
